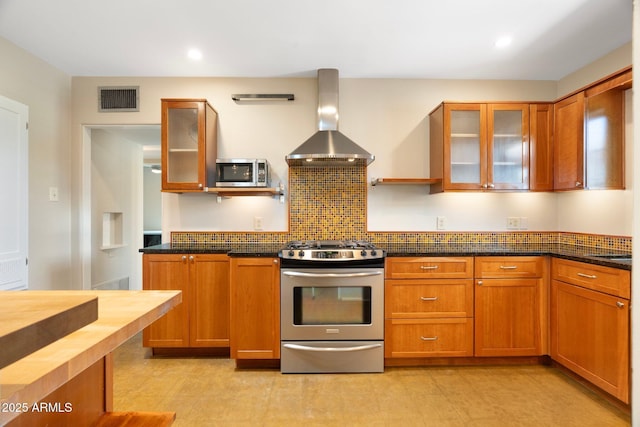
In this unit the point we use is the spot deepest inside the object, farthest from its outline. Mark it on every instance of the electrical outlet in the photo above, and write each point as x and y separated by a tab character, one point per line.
513	223
524	223
257	223
53	194
441	223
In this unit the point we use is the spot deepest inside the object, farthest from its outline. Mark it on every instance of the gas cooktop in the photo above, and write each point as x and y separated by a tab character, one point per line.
330	250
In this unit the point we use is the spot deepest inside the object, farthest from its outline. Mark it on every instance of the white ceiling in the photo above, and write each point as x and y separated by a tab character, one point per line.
293	38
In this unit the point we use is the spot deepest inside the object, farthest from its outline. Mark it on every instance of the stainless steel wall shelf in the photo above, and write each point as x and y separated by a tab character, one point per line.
263	97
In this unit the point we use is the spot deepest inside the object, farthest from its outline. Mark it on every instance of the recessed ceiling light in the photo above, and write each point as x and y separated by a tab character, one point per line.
503	42
194	54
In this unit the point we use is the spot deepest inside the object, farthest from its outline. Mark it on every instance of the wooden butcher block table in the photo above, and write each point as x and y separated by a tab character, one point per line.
70	380
27	324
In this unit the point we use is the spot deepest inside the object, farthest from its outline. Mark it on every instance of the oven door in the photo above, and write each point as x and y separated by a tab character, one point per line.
332	304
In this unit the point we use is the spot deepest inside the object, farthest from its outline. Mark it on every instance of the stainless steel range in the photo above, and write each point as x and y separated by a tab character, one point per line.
332	307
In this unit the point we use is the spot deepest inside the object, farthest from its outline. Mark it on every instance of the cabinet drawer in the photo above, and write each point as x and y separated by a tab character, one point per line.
413	298
609	280
510	266
429	267
429	337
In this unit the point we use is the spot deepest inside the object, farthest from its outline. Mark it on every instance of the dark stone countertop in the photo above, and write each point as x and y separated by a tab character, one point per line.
598	256
231	249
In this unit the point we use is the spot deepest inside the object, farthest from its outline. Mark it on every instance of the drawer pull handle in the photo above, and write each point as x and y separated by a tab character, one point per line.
508	267
429	267
429	298
588	276
620	304
429	338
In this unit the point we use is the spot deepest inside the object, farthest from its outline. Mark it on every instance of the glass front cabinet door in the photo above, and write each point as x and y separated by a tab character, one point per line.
508	151
486	146
189	145
465	146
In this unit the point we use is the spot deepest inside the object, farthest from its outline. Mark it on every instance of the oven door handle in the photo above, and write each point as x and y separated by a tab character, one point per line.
332	349
338	275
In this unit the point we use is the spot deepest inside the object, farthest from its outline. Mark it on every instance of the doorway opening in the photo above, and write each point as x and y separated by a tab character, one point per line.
121	203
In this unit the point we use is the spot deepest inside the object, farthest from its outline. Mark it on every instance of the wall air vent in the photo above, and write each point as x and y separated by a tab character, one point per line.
118	98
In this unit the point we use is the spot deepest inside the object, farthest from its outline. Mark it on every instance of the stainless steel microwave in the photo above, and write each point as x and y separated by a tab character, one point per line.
242	173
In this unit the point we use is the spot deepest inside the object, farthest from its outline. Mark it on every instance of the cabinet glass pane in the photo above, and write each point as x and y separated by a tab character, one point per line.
182	145
508	161
465	147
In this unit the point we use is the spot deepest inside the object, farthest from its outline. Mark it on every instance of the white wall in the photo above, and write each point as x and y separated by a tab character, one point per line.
47	92
152	204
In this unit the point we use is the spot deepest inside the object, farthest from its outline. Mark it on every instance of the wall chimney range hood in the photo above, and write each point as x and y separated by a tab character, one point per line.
328	146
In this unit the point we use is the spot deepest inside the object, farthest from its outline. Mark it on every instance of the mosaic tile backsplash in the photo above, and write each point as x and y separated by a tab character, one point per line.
330	203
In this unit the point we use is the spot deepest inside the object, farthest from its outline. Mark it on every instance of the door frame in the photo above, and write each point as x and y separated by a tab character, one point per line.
20	257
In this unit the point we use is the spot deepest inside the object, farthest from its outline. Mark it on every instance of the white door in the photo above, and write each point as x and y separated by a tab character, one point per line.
13	194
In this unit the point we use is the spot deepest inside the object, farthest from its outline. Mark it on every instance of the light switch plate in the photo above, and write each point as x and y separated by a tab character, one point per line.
513	223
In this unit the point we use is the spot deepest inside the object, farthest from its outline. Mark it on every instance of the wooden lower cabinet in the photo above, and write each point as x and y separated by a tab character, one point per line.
255	308
507	317
590	329
511	306
428	307
202	320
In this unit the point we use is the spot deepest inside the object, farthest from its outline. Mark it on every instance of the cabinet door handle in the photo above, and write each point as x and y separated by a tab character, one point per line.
428	267
620	304
332	349
578	184
191	258
429	338
429	298
184	257
508	267
588	276
491	186
479	282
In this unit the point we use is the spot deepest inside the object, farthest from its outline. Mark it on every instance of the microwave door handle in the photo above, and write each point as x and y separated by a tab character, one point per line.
338	275
332	349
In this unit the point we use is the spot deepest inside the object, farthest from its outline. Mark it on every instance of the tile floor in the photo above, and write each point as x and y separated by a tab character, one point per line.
211	392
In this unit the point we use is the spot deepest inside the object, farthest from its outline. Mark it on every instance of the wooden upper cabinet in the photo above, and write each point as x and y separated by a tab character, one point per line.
541	147
569	143
604	142
480	147
589	131
189	145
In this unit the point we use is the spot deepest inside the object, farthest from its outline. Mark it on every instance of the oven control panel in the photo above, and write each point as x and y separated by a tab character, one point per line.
331	255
